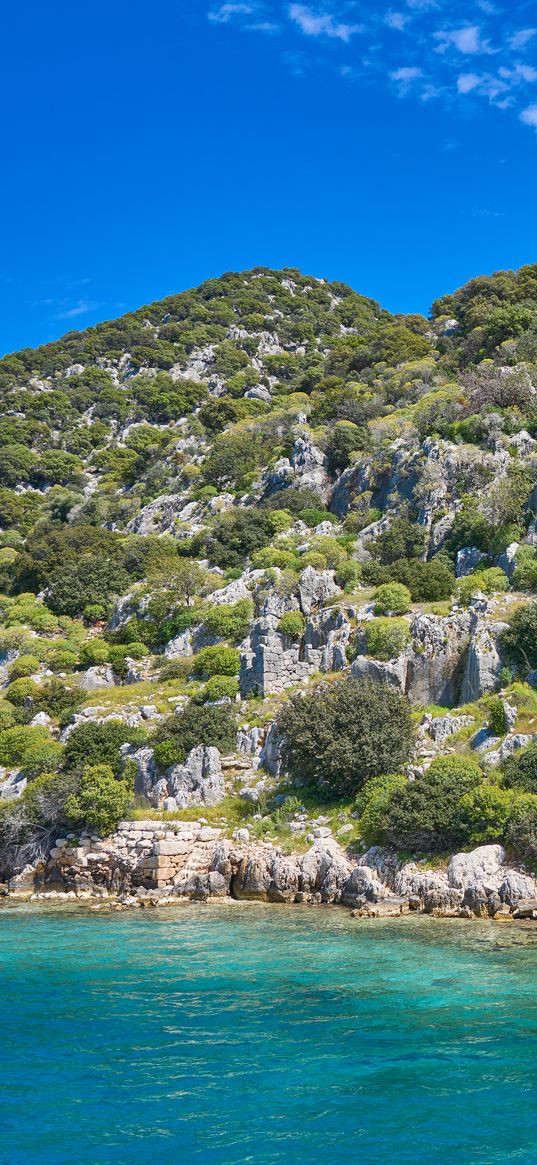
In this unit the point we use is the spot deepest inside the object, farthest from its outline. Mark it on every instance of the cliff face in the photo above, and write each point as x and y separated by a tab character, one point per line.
198	505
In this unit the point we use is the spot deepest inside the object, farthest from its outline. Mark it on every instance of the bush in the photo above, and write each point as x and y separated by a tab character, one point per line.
182	731
99	744
520	638
486	812
24	665
220	687
426	815
21	690
428	582
57	700
229	620
292	624
62	660
497	721
216	661
519	771
94	652
392	599
386	638
236	536
402	539
341	734
101	800
372	803
521	832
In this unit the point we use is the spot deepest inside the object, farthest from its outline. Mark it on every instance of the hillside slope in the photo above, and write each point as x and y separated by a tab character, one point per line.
232	494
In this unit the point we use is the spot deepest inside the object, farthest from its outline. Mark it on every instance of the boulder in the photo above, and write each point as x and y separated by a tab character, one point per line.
97	677
467	560
199	781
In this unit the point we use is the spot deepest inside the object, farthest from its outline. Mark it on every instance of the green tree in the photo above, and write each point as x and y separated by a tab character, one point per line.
339	735
101	800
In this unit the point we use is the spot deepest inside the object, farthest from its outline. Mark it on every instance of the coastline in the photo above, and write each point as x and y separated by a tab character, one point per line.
153	864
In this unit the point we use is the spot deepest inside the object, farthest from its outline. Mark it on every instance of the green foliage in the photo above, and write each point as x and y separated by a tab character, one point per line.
229	620
24	665
402	539
213	725
392	599
339	735
497	717
19	691
94	652
292	624
520	639
386	638
519	771
428	582
216	661
426	815
236	536
220	688
486	813
100	801
372	803
99	744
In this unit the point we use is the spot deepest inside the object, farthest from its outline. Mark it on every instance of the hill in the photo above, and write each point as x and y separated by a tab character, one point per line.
242	490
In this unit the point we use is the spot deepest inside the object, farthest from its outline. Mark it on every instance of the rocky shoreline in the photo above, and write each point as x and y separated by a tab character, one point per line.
154	863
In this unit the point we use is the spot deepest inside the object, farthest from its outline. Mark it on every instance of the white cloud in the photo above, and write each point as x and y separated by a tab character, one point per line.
520	39
79	309
466	82
405	77
466	40
313	23
526	73
228	12
397	20
529	116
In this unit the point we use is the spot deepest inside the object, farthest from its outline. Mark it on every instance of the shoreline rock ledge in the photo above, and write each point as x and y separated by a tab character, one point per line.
155	862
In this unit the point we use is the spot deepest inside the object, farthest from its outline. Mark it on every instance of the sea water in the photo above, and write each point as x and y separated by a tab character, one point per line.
223	1035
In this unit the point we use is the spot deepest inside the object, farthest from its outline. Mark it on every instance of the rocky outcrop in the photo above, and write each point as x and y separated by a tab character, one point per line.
185	859
199	781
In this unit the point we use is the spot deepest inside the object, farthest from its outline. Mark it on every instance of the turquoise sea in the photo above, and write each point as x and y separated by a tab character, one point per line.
223	1035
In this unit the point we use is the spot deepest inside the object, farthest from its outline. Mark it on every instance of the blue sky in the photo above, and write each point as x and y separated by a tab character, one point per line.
148	147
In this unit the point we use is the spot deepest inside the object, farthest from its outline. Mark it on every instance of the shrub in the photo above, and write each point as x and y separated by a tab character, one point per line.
313	517
274	556
341	734
62	660
426	814
386	638
497	718
313	558
236	536
428	582
21	690
525	576
175	736
101	800
216	661
372	803
220	687
348	574
402	539
57	700
99	744
229	620
521	832
94	652
292	624
392	599
24	665
519	771
486	812
520	638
